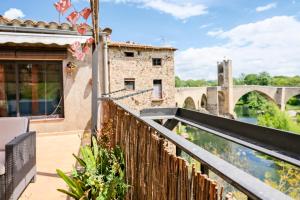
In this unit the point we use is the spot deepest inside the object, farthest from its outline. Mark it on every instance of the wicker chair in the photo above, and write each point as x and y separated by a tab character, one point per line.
17	157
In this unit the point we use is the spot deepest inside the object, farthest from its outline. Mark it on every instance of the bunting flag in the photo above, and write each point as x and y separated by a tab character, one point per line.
62	6
85	49
85	13
82	28
89	41
78	51
79	55
73	17
87	45
75	46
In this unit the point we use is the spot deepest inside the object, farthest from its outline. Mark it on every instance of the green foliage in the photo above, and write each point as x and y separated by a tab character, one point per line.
268	114
287	180
286	81
253	101
294	101
193	83
273	117
240	80
298	118
101	174
251	79
262	78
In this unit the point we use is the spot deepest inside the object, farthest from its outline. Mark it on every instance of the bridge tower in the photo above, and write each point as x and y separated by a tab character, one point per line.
225	91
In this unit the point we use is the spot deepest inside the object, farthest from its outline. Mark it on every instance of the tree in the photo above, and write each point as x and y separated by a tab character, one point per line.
193	83
251	79
178	82
273	117
240	80
264	78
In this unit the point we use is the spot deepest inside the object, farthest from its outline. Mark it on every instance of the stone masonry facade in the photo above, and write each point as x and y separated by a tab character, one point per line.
139	68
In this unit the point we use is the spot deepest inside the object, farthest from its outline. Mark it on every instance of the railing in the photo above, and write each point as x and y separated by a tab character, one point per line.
155	173
152	171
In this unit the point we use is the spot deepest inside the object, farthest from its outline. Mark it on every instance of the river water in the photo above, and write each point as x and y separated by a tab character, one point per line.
244	114
278	174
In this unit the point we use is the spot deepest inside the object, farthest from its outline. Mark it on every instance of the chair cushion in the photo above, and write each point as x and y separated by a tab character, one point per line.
11	127
2	162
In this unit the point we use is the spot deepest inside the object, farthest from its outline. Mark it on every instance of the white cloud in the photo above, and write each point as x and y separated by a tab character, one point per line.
13	13
179	9
205	26
215	32
271	45
266	7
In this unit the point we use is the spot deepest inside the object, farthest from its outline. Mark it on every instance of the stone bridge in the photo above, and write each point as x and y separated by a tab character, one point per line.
221	100
213	98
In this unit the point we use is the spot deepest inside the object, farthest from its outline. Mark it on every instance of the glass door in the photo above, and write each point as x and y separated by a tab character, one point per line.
8	90
31	88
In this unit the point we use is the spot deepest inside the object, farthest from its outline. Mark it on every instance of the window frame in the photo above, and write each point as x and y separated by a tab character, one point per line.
155	60
129	80
161	90
129	53
15	64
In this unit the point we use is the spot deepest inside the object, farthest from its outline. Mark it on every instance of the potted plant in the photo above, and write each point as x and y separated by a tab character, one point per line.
100	176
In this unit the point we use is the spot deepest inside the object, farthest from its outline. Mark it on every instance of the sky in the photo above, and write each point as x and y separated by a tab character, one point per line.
257	35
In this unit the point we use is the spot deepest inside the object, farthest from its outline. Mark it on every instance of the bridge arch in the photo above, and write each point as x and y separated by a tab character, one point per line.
262	93
221	102
189	103
203	103
292	103
291	92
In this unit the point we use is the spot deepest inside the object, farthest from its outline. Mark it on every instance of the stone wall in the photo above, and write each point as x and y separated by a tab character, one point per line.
140	69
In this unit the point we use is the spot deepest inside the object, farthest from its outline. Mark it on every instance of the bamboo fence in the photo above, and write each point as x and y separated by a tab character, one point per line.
152	172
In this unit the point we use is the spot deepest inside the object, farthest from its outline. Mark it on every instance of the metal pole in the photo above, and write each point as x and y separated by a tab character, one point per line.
95	90
95	68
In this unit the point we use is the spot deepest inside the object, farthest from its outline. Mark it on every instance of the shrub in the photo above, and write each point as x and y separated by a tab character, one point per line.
100	176
273	117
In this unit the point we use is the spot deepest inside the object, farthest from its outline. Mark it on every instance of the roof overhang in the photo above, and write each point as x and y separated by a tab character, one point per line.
33	38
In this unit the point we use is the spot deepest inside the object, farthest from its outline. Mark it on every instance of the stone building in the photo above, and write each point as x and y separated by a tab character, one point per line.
137	67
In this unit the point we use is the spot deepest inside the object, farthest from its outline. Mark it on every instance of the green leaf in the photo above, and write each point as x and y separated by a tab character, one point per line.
80	161
69	194
88	158
75	187
95	147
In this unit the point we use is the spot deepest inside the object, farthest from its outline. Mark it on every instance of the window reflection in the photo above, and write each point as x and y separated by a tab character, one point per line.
31	89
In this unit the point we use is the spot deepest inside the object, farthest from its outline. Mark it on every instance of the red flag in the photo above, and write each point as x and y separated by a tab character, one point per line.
85	13
82	28
62	6
73	17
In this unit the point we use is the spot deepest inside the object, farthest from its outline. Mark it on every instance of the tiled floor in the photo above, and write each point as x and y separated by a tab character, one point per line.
53	152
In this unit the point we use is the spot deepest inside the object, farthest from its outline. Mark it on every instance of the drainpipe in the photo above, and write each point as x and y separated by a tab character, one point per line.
105	60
